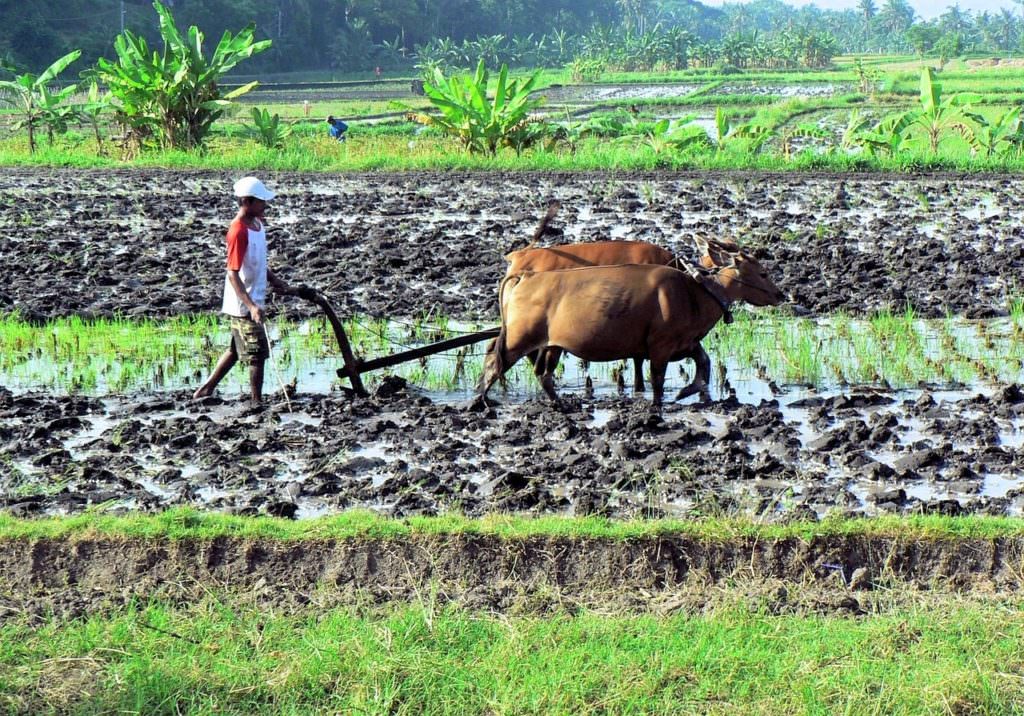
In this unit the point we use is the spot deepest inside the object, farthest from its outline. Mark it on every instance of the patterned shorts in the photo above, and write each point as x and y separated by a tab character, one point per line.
249	340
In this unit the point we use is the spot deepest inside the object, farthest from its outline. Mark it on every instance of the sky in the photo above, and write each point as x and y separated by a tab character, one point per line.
926	9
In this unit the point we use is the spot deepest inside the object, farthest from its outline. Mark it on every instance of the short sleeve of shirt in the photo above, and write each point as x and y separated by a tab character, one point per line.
238	244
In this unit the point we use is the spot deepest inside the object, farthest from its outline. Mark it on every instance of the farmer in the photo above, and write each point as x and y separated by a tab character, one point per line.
338	128
245	289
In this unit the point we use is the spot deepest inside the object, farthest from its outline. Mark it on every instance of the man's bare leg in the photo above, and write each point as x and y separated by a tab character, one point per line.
256	381
225	363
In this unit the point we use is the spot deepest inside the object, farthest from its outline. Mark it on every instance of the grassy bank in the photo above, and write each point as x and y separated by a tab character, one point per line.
220	657
403	151
188	523
235	653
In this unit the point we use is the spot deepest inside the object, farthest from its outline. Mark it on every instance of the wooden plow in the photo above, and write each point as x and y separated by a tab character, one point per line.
354	367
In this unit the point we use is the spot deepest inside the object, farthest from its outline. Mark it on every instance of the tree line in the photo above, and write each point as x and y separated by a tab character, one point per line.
359	35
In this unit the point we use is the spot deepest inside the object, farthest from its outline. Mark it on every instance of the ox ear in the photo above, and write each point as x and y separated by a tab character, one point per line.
727	245
701	244
720	256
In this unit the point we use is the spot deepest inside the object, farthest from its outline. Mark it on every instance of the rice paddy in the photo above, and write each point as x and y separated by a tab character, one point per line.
96	357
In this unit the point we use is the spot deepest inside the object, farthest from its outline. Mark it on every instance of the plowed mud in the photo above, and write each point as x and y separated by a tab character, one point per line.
150	243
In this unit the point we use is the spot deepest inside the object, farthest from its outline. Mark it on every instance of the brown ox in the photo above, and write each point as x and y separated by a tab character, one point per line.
604	253
604	313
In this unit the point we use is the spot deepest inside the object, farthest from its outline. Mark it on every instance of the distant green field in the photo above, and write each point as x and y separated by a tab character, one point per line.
783	103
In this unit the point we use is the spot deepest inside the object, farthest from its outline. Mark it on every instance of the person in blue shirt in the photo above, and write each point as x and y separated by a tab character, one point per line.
338	128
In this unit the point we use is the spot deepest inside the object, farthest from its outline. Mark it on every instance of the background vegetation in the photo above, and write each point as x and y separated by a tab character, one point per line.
359	35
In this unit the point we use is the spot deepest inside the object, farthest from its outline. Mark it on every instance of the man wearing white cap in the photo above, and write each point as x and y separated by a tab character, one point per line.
245	288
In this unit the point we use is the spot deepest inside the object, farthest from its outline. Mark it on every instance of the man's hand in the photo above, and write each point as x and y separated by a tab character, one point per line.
257	314
279	286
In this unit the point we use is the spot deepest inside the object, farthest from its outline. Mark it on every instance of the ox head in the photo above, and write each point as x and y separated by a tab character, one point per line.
741	275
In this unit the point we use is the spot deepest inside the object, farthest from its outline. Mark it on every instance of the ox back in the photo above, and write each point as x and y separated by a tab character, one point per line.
596	253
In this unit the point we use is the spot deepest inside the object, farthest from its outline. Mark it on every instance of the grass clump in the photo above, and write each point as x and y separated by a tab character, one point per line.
189	523
427	659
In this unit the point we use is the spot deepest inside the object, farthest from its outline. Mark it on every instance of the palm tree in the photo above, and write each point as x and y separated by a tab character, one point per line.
634	13
956	20
897	16
867	10
1007	29
987	30
1021	3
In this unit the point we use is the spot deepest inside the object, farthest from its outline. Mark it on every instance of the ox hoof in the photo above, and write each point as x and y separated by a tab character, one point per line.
480	404
704	396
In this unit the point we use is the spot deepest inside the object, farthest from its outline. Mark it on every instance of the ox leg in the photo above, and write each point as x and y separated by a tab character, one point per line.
545	370
701	379
495	366
658	381
638	375
497	362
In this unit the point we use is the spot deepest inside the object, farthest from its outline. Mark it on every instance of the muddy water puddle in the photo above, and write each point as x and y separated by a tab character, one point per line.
756	447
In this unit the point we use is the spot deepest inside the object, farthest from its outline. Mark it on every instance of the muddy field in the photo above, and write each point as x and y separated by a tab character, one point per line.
150	244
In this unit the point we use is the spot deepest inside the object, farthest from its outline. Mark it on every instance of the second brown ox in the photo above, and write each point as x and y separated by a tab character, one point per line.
591	253
604	313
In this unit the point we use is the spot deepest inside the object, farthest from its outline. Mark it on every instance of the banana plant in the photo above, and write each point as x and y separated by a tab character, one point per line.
480	122
752	136
856	125
97	103
988	137
572	132
267	129
889	136
36	103
665	134
174	96
804	130
938	115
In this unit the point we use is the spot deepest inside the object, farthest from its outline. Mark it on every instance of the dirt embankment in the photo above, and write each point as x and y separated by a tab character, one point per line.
853	574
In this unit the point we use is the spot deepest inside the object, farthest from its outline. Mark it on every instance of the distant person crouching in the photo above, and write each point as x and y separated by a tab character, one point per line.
338	128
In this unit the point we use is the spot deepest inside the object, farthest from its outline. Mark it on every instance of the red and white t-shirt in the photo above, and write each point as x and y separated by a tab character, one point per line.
247	254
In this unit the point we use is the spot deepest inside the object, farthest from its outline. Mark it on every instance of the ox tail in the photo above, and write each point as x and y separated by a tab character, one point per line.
542	226
495	361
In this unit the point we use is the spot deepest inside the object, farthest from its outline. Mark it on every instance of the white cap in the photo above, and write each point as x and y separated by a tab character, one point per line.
251	186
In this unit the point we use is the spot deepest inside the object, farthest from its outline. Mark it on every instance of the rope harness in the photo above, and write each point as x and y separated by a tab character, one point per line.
703	278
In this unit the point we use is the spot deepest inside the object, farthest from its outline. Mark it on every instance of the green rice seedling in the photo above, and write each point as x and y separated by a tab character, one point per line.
1016	309
118	355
